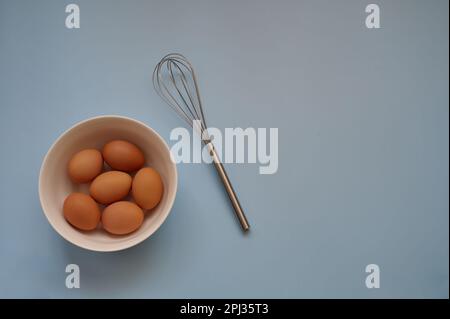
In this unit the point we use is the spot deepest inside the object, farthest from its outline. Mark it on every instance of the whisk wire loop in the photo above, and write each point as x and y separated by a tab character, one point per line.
179	73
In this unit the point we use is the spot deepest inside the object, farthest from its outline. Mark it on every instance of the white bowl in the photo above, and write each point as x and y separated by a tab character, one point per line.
55	184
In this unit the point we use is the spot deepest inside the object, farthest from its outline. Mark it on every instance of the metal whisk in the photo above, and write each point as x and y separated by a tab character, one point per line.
175	82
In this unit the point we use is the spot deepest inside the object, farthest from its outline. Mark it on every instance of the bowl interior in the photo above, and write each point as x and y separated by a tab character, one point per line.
55	184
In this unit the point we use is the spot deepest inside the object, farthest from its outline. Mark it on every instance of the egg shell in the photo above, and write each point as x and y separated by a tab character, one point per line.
122	218
85	165
123	156
147	188
81	211
110	187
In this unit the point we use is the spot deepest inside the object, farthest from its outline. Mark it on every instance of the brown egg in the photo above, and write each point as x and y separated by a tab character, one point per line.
110	187
147	188
122	218
85	165
123	156
81	211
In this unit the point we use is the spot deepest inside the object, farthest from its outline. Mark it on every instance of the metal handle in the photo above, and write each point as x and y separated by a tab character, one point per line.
229	188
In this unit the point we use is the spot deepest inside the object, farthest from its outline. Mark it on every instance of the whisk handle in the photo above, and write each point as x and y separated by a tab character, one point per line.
229	188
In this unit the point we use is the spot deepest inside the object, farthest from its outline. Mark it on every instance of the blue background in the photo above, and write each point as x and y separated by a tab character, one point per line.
363	145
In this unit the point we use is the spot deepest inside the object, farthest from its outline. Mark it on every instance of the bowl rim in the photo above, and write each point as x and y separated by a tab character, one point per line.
128	244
